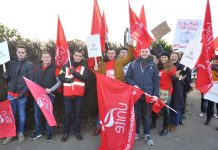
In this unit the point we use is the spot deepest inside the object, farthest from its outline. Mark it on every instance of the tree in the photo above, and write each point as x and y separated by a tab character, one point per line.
167	47
8	34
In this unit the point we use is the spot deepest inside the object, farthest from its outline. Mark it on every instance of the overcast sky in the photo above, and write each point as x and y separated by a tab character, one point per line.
37	19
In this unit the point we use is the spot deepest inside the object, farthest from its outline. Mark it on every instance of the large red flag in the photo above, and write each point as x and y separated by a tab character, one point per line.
204	76
138	30
7	122
117	117
43	100
62	53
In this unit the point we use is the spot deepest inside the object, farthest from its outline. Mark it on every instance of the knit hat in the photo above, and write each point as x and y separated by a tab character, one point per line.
165	53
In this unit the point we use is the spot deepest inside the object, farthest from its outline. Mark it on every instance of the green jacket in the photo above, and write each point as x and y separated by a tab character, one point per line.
119	64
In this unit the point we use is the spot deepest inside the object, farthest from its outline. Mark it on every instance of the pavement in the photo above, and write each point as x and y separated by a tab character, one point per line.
193	135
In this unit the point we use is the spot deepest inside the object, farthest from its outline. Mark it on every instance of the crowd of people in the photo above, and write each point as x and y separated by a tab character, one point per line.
160	75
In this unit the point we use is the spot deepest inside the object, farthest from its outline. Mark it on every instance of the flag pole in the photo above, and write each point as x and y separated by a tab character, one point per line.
69	57
170	108
96	64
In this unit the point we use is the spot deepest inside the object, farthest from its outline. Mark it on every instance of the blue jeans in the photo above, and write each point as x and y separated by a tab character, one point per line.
38	116
20	104
175	117
143	112
72	105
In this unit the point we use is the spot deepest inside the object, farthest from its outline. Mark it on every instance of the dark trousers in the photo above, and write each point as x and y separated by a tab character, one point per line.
38	116
143	112
204	104
72	106
210	109
175	117
166	117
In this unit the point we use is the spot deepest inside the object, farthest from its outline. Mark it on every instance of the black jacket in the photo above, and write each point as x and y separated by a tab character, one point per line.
45	78
15	72
77	75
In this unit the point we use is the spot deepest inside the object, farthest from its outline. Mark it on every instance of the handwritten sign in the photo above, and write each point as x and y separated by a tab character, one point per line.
94	46
186	31
161	30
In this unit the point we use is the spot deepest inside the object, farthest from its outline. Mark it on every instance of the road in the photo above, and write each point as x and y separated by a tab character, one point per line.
193	135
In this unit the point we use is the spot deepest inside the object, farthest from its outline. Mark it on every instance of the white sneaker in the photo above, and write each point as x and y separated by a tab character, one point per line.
137	136
21	137
148	140
201	115
215	116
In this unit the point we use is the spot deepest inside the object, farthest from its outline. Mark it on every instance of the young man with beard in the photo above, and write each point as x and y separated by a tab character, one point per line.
112	67
143	73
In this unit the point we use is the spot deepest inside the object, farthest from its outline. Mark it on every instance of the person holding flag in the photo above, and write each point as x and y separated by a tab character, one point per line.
46	76
73	79
143	74
17	89
112	67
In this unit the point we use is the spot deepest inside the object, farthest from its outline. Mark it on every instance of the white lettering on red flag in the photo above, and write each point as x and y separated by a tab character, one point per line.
43	100
117	117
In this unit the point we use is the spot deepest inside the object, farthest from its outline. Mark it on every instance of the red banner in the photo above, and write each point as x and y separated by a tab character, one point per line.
7	122
43	100
117	116
62	53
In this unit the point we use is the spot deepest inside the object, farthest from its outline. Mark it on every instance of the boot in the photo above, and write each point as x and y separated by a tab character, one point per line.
173	129
170	127
164	132
65	137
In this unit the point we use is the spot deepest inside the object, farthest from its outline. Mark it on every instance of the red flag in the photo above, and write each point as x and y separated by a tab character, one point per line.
117	117
138	30
96	29
43	100
7	122
96	19
204	75
157	106
207	33
103	33
62	53
143	20
142	17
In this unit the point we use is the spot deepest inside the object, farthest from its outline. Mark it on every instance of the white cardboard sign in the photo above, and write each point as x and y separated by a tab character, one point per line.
94	46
